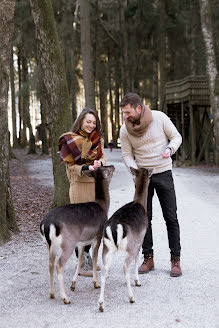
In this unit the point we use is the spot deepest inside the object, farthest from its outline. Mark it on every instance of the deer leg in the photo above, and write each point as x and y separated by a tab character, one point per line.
60	268
137	281
126	269
95	248
107	258
80	261
51	272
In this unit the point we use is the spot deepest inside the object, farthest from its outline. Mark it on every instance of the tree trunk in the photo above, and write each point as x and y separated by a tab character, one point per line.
73	88
54	77
192	30
117	100
112	109
23	124
14	118
73	66
124	47
102	77
154	88
43	129
211	69
162	55
154	93
86	51
26	106
7	217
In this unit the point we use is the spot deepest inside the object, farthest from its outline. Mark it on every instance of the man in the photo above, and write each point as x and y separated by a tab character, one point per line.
149	139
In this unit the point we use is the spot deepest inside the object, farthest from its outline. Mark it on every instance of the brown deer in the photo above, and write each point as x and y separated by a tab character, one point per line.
125	230
77	225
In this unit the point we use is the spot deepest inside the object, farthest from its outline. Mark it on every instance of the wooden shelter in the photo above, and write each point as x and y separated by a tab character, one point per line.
187	103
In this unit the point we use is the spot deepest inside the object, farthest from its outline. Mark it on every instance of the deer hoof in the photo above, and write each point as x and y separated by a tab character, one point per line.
52	295
101	309
96	285
137	283
66	301
131	300
73	286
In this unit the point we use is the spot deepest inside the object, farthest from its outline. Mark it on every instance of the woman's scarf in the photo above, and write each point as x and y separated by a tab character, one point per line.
139	128
80	148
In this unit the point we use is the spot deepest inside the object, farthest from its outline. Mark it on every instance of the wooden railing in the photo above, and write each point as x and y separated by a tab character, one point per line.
191	88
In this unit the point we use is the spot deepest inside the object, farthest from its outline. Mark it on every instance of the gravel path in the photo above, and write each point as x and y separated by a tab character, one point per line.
189	301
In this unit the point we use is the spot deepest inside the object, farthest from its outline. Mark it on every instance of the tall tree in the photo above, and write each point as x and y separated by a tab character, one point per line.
26	105
23	122
215	21
103	87
41	95
124	47
69	34
162	53
205	11
43	126
54	78
13	107
24	41
7	217
86	52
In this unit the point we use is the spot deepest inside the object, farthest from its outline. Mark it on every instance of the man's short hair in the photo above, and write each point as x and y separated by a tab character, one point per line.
131	99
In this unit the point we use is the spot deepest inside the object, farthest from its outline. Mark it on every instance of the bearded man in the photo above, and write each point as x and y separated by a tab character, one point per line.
149	139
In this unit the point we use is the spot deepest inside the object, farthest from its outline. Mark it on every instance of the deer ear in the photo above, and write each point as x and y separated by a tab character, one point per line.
112	168
133	171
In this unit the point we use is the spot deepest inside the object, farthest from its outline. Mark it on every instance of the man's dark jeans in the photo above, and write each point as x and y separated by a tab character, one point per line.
163	184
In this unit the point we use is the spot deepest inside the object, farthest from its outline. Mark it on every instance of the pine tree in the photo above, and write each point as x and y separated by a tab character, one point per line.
7	217
54	77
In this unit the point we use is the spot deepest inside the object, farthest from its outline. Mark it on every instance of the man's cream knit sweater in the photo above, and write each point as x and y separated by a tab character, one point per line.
146	151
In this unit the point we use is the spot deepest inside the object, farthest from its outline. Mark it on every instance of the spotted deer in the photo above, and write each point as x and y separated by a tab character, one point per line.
76	225
125	231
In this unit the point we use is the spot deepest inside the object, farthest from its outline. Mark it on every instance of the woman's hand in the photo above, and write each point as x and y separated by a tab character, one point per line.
96	164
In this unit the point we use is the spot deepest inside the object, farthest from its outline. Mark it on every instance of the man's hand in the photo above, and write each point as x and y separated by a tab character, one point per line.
166	154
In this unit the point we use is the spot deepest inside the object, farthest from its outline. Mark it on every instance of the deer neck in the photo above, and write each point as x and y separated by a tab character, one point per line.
141	194
102	195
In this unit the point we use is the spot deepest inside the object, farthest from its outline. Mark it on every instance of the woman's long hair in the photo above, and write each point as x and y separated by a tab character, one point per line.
78	123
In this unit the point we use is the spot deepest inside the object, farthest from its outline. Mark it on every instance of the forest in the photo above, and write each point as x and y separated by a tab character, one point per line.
58	56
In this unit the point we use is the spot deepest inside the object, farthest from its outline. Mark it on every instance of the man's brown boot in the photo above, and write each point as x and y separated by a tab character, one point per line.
175	266
147	265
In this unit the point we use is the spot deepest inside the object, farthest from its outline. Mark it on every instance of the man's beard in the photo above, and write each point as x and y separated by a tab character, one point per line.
131	119
134	119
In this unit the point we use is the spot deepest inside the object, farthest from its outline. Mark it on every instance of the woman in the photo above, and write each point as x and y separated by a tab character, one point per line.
83	149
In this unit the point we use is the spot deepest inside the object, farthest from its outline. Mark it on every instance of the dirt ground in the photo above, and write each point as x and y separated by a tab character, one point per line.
189	301
31	200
